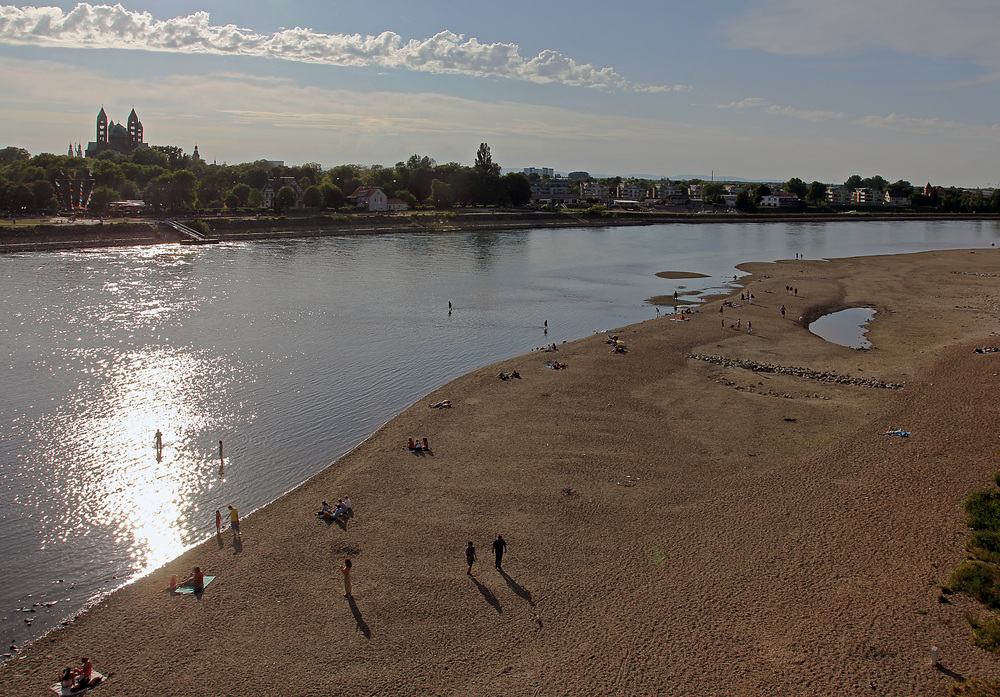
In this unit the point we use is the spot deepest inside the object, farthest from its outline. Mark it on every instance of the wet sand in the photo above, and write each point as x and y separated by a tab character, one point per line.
675	525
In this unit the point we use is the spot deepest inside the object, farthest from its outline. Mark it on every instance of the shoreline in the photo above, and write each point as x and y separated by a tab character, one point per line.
68	236
670	521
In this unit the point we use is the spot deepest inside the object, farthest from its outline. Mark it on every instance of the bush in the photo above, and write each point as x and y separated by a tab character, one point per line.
975	688
986	633
979	580
983	509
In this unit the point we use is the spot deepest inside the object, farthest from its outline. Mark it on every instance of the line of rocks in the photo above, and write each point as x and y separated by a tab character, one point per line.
822	376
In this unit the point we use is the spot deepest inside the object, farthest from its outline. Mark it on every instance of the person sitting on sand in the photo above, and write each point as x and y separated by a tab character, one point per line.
516	374
68	678
348	506
324	511
443	404
502	376
410	445
426	447
85	673
196	580
172	586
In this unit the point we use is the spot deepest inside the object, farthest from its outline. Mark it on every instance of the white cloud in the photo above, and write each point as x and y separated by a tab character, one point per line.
965	29
104	26
758	103
936	127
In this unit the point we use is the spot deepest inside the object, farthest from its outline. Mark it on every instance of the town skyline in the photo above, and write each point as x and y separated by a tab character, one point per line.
761	90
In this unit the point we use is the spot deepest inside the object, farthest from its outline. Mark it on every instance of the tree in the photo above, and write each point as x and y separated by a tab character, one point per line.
875	183
853	182
759	192
712	192
101	198
442	194
517	188
816	193
333	197
744	203
900	188
284	198
11	154
232	202
797	187
256	177
242	193
484	162
149	156
313	197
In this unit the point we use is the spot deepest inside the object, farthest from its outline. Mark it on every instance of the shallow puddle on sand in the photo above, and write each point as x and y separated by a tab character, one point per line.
847	327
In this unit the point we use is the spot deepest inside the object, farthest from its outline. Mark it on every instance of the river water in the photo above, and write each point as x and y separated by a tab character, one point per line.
292	352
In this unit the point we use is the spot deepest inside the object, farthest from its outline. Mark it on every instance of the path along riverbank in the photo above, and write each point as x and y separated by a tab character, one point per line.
675	525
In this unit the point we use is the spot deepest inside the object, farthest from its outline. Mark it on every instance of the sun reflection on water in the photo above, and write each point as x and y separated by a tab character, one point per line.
101	447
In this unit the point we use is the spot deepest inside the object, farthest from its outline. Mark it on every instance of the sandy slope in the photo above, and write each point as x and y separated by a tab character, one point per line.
674	526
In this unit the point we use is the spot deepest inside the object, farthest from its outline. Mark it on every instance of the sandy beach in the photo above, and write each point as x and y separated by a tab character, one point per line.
676	522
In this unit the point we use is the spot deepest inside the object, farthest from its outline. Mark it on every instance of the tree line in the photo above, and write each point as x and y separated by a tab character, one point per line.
169	180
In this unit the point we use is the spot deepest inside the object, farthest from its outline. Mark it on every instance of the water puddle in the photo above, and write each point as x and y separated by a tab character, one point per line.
847	327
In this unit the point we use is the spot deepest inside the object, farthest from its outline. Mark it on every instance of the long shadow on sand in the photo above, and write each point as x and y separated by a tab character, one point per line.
518	589
488	595
358	619
237	545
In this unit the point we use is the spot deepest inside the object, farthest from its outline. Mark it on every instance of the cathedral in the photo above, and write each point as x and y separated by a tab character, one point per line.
115	136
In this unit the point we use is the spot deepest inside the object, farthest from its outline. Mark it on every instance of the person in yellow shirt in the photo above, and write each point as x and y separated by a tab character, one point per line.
234	523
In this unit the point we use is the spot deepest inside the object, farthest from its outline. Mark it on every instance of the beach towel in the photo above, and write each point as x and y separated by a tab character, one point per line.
187	590
60	690
897	432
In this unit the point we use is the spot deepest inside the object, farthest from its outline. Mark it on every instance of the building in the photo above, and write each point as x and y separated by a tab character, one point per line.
838	195
371	198
781	199
115	136
543	172
867	197
273	186
595	191
552	191
398	204
671	193
891	200
631	190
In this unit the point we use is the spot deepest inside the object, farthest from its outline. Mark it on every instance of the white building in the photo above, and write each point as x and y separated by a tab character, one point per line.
594	190
781	199
543	172
273	186
838	195
371	198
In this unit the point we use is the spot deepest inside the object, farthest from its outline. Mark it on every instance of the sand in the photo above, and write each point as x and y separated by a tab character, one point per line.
674	525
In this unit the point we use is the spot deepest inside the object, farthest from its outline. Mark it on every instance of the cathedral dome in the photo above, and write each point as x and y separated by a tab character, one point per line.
118	130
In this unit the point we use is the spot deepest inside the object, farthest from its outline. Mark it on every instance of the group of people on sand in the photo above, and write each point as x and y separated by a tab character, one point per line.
196	579
417	445
443	404
556	365
617	345
509	376
81	678
550	348
341	511
987	349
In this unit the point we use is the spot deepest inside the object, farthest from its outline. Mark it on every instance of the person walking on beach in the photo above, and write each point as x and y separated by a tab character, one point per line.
218	522
234	523
782	312
470	556
499	547
346	569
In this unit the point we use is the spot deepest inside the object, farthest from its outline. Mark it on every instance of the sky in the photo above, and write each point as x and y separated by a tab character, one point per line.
756	89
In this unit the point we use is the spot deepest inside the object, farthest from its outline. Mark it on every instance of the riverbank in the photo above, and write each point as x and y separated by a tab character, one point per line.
63	235
675	523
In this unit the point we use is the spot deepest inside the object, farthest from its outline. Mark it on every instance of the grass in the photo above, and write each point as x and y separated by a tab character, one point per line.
975	688
979	580
979	577
985	633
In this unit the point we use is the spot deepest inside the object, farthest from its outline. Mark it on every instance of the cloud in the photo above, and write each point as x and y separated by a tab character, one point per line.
104	26
964	29
934	126
758	103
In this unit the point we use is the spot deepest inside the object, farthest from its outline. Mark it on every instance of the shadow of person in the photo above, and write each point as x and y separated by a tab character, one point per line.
358	619
488	595
950	673
518	589
342	522
218	538
237	545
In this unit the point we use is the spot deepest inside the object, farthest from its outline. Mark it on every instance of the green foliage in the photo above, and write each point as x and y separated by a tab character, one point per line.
284	198
312	197
978	580
712	192
101	198
442	194
986	633
11	154
816	193
597	211
797	187
975	688
517	189
744	202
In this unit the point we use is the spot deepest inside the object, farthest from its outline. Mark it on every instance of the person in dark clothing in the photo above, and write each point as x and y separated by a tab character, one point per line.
499	547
